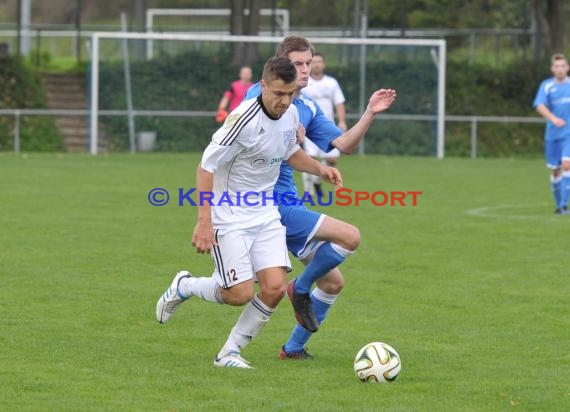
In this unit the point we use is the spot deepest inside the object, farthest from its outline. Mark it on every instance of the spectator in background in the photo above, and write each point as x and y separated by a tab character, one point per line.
552	102
326	91
234	94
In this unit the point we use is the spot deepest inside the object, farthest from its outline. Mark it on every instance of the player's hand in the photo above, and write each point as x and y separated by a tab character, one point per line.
558	122
221	116
342	126
331	175
381	100
203	237
300	134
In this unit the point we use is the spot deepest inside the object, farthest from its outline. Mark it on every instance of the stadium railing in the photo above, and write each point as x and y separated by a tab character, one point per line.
473	121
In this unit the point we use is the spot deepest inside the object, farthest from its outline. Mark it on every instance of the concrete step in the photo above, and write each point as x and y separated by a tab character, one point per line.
63	102
74	87
72	121
65	91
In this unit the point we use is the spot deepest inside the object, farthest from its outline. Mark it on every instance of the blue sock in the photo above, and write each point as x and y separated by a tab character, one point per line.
565	189
555	183
327	257
321	304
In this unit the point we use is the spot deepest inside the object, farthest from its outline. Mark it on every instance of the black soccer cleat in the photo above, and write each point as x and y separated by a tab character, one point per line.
303	308
302	355
562	210
318	188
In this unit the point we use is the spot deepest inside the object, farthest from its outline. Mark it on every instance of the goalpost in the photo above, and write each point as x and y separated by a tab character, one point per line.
414	67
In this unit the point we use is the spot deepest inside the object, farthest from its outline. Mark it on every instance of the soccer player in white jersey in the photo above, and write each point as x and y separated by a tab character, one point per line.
326	91
552	102
319	241
241	228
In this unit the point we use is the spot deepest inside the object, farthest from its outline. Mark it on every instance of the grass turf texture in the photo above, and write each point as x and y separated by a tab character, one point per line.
471	288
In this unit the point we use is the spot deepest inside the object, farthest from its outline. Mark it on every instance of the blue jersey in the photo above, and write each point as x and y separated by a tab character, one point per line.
320	130
556	97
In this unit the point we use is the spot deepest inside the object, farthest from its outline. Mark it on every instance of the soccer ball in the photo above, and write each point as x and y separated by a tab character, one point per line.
377	362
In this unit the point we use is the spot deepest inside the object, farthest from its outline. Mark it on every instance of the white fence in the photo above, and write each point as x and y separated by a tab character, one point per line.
474	121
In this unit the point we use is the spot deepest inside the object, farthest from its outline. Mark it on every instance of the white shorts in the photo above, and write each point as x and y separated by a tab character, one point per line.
240	254
312	150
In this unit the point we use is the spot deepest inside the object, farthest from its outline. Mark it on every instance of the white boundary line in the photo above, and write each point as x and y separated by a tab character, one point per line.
493	212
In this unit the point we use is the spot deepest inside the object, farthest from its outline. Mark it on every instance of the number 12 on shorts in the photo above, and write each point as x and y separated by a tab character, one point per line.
231	275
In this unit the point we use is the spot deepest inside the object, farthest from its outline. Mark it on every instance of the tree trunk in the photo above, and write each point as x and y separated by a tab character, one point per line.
555	15
242	24
550	27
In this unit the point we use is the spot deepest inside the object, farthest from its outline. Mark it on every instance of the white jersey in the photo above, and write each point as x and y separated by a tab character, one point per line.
245	155
326	92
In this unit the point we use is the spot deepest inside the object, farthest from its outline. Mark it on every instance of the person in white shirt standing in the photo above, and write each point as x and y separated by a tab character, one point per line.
326	91
238	218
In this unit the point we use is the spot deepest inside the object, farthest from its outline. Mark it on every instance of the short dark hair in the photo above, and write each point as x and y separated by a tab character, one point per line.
279	68
319	54
558	56
293	44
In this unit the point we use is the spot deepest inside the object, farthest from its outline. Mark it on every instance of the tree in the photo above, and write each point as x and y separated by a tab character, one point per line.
550	27
244	24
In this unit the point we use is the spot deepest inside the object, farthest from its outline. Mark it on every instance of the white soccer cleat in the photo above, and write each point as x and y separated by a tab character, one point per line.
232	360
170	299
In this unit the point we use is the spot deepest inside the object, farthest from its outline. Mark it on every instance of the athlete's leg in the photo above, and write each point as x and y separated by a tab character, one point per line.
341	239
308	179
257	312
322	298
271	262
553	155
565	185
232	282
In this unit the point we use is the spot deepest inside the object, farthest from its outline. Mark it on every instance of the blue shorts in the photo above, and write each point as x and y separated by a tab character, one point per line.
301	224
555	151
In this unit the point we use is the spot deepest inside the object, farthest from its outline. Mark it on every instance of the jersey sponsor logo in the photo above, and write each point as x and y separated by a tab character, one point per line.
275	161
562	100
259	163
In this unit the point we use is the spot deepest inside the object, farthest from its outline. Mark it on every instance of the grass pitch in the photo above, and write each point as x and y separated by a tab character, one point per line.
471	288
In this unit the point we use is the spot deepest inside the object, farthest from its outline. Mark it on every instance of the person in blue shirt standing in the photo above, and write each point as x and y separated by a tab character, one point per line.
552	102
321	242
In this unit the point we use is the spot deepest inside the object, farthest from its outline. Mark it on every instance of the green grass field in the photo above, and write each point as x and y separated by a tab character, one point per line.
471	287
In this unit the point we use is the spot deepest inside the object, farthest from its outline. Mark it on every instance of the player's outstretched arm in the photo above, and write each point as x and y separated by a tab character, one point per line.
380	101
203	236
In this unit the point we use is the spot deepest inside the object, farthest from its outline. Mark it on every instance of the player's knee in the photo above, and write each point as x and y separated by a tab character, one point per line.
556	172
272	294
276	291
352	238
332	285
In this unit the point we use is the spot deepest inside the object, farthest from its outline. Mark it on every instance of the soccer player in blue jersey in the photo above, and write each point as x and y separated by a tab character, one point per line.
319	241
552	102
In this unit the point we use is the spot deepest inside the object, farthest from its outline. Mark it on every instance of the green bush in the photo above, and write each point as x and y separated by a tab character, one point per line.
22	89
471	90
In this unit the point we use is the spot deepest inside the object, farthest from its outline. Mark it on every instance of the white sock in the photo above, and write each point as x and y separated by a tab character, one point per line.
253	317
308	183
323	296
205	288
